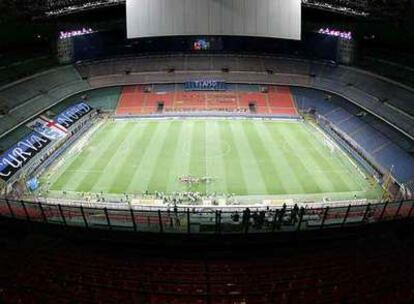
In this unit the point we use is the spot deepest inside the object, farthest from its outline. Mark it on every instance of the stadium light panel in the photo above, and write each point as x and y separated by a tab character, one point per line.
259	18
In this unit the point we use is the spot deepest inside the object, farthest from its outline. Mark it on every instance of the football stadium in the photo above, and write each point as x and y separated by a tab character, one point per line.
209	151
210	156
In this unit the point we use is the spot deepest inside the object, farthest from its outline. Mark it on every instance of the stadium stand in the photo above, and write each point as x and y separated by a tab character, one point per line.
32	95
105	99
392	65
190	101
52	270
381	96
376	147
219	101
260	100
24	91
164	97
333	101
404	142
18	68
14	136
132	101
135	101
281	101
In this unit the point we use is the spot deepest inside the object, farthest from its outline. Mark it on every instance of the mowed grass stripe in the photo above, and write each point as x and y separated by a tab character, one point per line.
122	151
293	156
89	179
263	159
344	167
72	162
198	155
82	163
181	161
162	174
245	157
233	172
313	162
214	158
148	163
252	175
283	170
324	162
352	177
129	163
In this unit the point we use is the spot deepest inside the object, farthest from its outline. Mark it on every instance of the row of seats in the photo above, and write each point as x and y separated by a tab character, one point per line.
386	98
192	63
22	99
384	128
375	146
58	271
134	101
105	99
24	91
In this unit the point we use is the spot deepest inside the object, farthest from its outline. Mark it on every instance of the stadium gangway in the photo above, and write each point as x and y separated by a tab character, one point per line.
211	221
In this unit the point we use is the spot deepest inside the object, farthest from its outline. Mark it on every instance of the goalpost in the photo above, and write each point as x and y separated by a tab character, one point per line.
331	146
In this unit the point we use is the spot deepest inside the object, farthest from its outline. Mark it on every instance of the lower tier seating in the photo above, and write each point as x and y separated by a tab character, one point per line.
134	101
379	148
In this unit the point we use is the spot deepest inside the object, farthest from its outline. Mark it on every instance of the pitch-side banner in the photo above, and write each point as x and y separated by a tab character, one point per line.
259	18
21	153
72	114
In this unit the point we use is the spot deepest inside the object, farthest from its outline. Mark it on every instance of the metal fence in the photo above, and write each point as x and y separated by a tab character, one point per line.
207	221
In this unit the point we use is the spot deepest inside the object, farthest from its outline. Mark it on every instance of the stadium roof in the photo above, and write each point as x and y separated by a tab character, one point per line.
361	8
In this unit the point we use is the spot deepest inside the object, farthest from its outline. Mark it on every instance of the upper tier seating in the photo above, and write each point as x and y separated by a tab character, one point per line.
374	145
25	98
20	93
385	98
105	99
13	137
374	93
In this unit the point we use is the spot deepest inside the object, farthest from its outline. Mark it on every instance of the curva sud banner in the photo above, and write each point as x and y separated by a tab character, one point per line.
45	131
72	114
21	153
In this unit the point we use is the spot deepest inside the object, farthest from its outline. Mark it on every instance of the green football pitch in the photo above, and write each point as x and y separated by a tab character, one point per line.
240	157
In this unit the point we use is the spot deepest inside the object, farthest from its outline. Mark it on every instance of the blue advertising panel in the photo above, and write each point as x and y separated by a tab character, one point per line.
205	85
32	184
